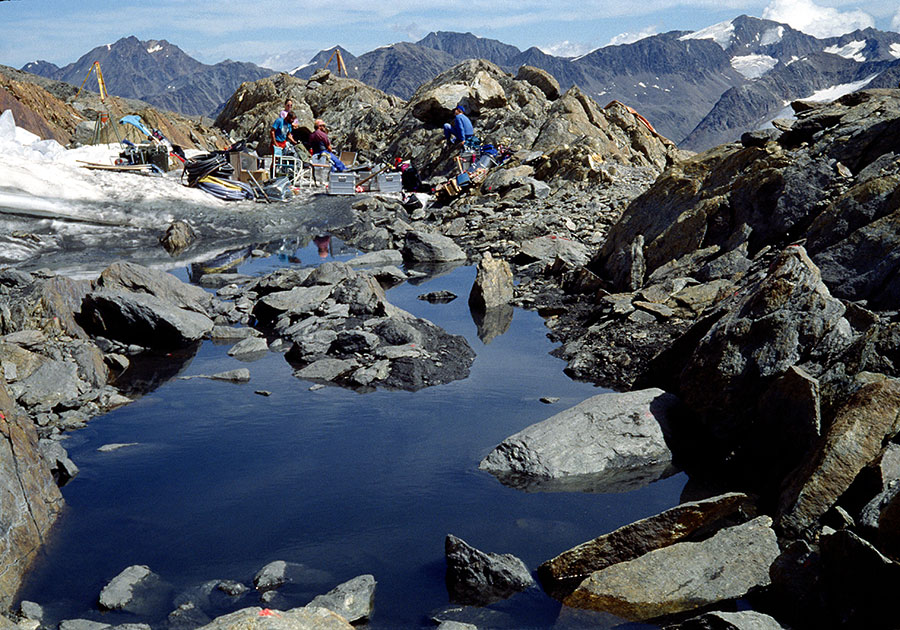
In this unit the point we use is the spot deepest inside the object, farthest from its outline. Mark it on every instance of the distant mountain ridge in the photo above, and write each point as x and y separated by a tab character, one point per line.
698	88
157	72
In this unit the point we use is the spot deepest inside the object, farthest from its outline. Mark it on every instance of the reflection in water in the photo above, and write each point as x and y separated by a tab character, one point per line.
323	244
149	371
492	322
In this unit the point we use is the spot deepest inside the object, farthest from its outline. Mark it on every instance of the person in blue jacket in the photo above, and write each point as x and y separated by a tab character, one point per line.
461	128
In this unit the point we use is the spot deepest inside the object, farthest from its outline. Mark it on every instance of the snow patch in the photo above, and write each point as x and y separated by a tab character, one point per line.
299	68
853	50
825	95
722	34
895	50
154	49
772	36
753	66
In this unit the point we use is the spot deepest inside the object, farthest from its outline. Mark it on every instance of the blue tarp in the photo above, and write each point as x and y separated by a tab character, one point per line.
135	120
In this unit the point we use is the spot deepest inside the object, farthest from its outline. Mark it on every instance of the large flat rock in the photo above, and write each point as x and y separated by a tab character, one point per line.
564	572
684	576
607	443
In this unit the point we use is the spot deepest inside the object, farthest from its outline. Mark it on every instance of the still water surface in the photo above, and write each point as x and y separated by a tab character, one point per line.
222	480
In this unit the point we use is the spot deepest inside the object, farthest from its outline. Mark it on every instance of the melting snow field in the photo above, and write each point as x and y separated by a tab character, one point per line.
753	66
55	213
853	50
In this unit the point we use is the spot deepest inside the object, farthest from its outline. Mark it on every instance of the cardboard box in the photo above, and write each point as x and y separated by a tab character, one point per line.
260	175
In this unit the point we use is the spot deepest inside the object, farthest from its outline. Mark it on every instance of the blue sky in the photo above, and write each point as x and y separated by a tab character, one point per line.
60	31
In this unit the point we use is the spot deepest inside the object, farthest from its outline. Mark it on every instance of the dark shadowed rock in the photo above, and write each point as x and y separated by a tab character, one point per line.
271	576
787	319
743	620
479	578
604	444
684	576
855	438
563	573
868	599
143	319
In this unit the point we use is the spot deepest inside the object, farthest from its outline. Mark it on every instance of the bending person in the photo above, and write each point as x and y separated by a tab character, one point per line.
321	145
461	128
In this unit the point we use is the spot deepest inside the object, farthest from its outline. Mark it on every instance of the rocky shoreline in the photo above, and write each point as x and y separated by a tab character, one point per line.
743	304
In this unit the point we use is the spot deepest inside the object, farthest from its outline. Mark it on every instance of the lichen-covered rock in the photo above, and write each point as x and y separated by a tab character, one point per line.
561	574
684	576
869	418
493	285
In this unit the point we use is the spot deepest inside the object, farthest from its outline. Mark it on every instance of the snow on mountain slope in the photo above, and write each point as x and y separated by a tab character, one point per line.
720	33
753	66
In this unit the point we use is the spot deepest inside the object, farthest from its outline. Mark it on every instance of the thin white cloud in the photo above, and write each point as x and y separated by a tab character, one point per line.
567	49
630	38
895	23
815	20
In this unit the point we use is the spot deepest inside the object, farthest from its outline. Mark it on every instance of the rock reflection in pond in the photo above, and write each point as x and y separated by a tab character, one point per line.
492	322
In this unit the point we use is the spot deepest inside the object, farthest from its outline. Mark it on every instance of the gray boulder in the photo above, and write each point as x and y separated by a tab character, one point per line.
426	247
353	600
249	348
606	443
563	573
478	578
381	258
58	461
550	248
143	319
307	618
684	576
50	384
177	237
82	624
271	576
126	276
136	590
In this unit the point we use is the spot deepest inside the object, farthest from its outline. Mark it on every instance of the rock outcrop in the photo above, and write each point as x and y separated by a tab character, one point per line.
29	499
